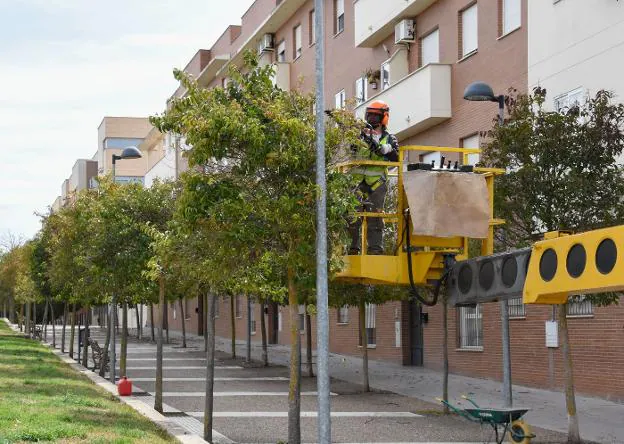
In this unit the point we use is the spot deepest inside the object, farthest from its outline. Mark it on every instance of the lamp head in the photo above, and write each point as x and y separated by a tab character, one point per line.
131	152
479	92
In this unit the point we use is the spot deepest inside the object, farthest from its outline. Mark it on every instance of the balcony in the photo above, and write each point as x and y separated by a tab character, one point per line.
374	23
418	101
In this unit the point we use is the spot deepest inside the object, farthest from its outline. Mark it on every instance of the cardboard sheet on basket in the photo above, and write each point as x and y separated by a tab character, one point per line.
445	204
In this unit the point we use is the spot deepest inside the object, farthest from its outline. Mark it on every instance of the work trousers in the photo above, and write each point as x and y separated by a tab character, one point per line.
371	201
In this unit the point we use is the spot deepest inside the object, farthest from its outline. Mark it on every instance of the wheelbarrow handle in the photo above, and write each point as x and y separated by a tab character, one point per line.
470	401
456	410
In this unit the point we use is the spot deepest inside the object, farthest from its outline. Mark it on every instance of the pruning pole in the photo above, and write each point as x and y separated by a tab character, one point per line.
322	319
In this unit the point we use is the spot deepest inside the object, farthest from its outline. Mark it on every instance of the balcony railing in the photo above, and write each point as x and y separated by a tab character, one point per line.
373	22
418	101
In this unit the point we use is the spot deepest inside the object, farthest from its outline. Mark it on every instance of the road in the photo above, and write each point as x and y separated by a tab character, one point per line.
251	403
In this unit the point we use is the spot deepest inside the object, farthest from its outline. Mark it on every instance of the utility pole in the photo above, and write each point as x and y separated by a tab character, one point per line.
322	330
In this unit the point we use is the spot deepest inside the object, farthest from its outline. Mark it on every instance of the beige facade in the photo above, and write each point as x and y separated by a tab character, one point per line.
117	133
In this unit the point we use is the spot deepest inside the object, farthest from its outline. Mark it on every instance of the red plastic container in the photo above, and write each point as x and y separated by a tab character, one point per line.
124	387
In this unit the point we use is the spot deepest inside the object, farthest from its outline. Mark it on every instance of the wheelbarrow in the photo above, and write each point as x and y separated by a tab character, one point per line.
502	420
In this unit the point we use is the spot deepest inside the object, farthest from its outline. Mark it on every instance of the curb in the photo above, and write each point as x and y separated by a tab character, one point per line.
173	429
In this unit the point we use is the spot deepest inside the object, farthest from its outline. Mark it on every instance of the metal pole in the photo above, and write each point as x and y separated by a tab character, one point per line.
112	341
322	330
504	306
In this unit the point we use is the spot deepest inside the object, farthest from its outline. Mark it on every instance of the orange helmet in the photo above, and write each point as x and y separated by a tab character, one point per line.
377	113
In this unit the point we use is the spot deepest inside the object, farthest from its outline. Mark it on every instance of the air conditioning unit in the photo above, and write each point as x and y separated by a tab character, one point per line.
266	43
405	31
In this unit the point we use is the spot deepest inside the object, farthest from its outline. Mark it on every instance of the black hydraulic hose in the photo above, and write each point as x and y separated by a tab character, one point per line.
413	289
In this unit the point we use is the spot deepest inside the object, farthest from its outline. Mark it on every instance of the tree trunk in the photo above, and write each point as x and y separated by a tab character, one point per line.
53	325
138	321
106	346
294	389
72	334
364	341
183	324
205	298
20	317
210	358
12	311
124	341
308	320
233	321
159	346
65	311
152	321
167	322
85	343
445	354
248	357
113	345
44	321
265	353
574	436
27	328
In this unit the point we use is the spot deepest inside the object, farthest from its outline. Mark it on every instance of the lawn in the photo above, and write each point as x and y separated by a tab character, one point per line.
43	399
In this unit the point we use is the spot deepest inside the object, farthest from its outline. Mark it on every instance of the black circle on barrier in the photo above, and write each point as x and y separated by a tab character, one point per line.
606	256
548	265
576	260
509	271
486	275
464	280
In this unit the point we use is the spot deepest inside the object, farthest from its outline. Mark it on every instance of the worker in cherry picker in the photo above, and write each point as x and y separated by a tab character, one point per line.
372	187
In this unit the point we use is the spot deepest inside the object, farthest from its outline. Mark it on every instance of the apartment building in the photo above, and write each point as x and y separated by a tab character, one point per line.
418	56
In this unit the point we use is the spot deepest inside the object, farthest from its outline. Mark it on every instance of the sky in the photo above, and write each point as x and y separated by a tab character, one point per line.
65	64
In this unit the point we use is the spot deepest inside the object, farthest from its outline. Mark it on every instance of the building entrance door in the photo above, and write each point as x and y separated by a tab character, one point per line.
415	334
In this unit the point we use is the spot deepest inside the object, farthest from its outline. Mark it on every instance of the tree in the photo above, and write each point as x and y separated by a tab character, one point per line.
566	165
255	147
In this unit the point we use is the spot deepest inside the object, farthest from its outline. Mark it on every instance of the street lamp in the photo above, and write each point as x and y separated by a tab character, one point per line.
131	152
482	92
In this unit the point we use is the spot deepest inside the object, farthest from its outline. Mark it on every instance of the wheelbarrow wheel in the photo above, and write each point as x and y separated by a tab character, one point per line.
520	432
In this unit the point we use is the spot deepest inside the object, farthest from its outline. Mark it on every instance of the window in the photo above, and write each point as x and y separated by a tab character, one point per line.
281	51
343	315
516	308
385	75
361	92
297	42
217	306
468	24
339	14
430	48
512	15
573	98
252	316
470	331
340	99
312	30
120	142
369	320
302	315
238	307
579	306
471	142
175	314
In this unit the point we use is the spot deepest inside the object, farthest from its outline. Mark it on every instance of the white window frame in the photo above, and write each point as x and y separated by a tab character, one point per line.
361	90
302	320
566	100
281	52
512	15
470	17
469	142
579	307
340	99
464	316
516	308
312	27
343	315
433	40
340	15
386	75
298	42
370	318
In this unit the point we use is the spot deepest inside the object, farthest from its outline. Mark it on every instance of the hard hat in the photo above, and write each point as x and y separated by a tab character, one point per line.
377	113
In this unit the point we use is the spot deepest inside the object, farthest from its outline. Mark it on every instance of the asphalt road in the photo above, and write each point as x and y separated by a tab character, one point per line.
251	403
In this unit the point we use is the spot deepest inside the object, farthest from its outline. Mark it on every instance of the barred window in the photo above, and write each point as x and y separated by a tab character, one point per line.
579	306
369	321
470	331
516	308
252	316
238	307
343	315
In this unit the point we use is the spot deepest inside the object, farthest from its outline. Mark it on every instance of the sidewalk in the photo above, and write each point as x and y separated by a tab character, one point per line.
600	420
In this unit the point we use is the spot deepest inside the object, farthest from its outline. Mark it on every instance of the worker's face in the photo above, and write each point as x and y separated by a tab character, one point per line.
374	119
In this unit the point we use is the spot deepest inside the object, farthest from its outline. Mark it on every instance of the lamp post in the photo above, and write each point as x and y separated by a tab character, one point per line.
131	152
482	92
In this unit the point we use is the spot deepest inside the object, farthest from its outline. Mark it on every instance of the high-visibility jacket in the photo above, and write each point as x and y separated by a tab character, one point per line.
375	175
